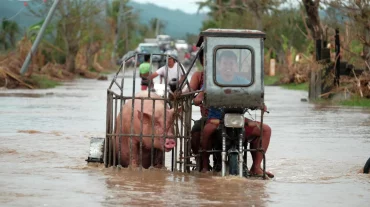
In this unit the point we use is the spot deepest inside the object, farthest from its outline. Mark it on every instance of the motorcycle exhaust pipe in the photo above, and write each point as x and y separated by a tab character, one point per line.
223	153
241	136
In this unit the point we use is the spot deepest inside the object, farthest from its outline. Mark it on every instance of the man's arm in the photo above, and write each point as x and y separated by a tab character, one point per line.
152	76
198	100
182	79
160	71
194	82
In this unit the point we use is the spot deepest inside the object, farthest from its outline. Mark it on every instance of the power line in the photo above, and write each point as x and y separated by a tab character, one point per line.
22	10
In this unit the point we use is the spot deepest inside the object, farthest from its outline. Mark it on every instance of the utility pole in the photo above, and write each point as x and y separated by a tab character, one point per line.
337	56
126	35
38	38
157	27
118	26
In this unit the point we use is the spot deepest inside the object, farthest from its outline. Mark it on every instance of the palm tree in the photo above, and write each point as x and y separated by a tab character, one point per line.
3	41
8	32
13	30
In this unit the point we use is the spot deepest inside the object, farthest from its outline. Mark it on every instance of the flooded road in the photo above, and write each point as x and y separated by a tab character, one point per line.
316	154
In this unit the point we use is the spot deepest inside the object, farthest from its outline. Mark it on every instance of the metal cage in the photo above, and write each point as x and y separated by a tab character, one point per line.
118	95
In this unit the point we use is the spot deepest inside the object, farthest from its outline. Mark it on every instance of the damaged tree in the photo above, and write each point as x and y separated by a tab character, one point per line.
358	14
313	23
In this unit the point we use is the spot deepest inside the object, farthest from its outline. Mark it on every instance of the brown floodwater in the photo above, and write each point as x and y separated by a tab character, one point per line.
316	154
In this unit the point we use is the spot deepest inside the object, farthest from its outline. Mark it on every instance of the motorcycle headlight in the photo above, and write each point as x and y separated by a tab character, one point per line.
234	120
96	150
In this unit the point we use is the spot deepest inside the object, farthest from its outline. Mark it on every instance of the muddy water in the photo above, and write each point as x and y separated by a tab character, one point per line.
316	154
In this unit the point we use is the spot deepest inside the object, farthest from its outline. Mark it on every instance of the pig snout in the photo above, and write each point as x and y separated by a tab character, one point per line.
170	144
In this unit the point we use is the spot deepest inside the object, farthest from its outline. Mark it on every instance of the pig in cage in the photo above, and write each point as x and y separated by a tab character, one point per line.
143	124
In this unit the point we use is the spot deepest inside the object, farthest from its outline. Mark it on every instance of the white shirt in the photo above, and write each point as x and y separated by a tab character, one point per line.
174	72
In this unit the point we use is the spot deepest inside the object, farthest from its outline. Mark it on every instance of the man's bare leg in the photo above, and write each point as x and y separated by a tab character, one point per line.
195	142
257	156
208	130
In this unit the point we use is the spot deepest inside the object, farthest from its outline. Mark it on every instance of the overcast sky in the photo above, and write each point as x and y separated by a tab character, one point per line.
187	6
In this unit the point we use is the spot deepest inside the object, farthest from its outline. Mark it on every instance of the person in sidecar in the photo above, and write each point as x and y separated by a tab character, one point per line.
226	68
144	70
174	71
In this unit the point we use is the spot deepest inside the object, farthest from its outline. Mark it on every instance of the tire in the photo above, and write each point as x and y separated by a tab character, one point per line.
233	164
367	167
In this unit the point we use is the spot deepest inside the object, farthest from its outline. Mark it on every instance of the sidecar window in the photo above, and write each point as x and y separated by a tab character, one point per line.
233	67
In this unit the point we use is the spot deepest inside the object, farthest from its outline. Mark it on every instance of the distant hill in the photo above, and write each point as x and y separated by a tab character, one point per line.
178	23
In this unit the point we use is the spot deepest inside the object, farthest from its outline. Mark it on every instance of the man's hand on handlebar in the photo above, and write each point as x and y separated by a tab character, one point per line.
265	108
198	99
177	94
257	108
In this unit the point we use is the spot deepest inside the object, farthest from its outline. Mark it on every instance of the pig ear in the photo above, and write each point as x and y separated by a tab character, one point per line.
146	119
172	111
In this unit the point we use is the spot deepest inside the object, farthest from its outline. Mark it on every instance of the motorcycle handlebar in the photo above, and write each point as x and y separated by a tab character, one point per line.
192	103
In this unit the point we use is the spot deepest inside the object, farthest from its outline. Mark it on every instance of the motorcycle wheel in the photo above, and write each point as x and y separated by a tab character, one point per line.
233	164
367	167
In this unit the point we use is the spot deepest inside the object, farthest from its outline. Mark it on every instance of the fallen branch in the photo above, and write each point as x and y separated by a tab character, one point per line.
12	75
358	83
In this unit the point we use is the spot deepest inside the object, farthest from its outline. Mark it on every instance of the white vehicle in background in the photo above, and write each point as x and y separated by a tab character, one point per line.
150	40
181	45
163	40
150	48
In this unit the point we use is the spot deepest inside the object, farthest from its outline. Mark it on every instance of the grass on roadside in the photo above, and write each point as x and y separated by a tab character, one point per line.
293	86
43	82
274	80
356	101
271	80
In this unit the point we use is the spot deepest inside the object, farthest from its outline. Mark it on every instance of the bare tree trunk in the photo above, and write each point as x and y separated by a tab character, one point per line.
312	11
219	4
70	63
12	40
366	48
313	23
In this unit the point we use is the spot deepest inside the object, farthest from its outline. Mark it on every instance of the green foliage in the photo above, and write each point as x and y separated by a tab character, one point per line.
284	28
293	86
8	31
356	101
43	82
285	31
34	29
271	80
356	46
211	24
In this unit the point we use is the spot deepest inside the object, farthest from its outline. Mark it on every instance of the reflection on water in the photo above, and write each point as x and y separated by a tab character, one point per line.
164	188
316	154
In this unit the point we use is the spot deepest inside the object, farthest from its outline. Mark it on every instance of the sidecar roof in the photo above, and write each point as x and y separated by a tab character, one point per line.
242	33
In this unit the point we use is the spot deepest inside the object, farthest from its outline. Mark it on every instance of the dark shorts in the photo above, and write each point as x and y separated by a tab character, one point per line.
144	81
197	127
